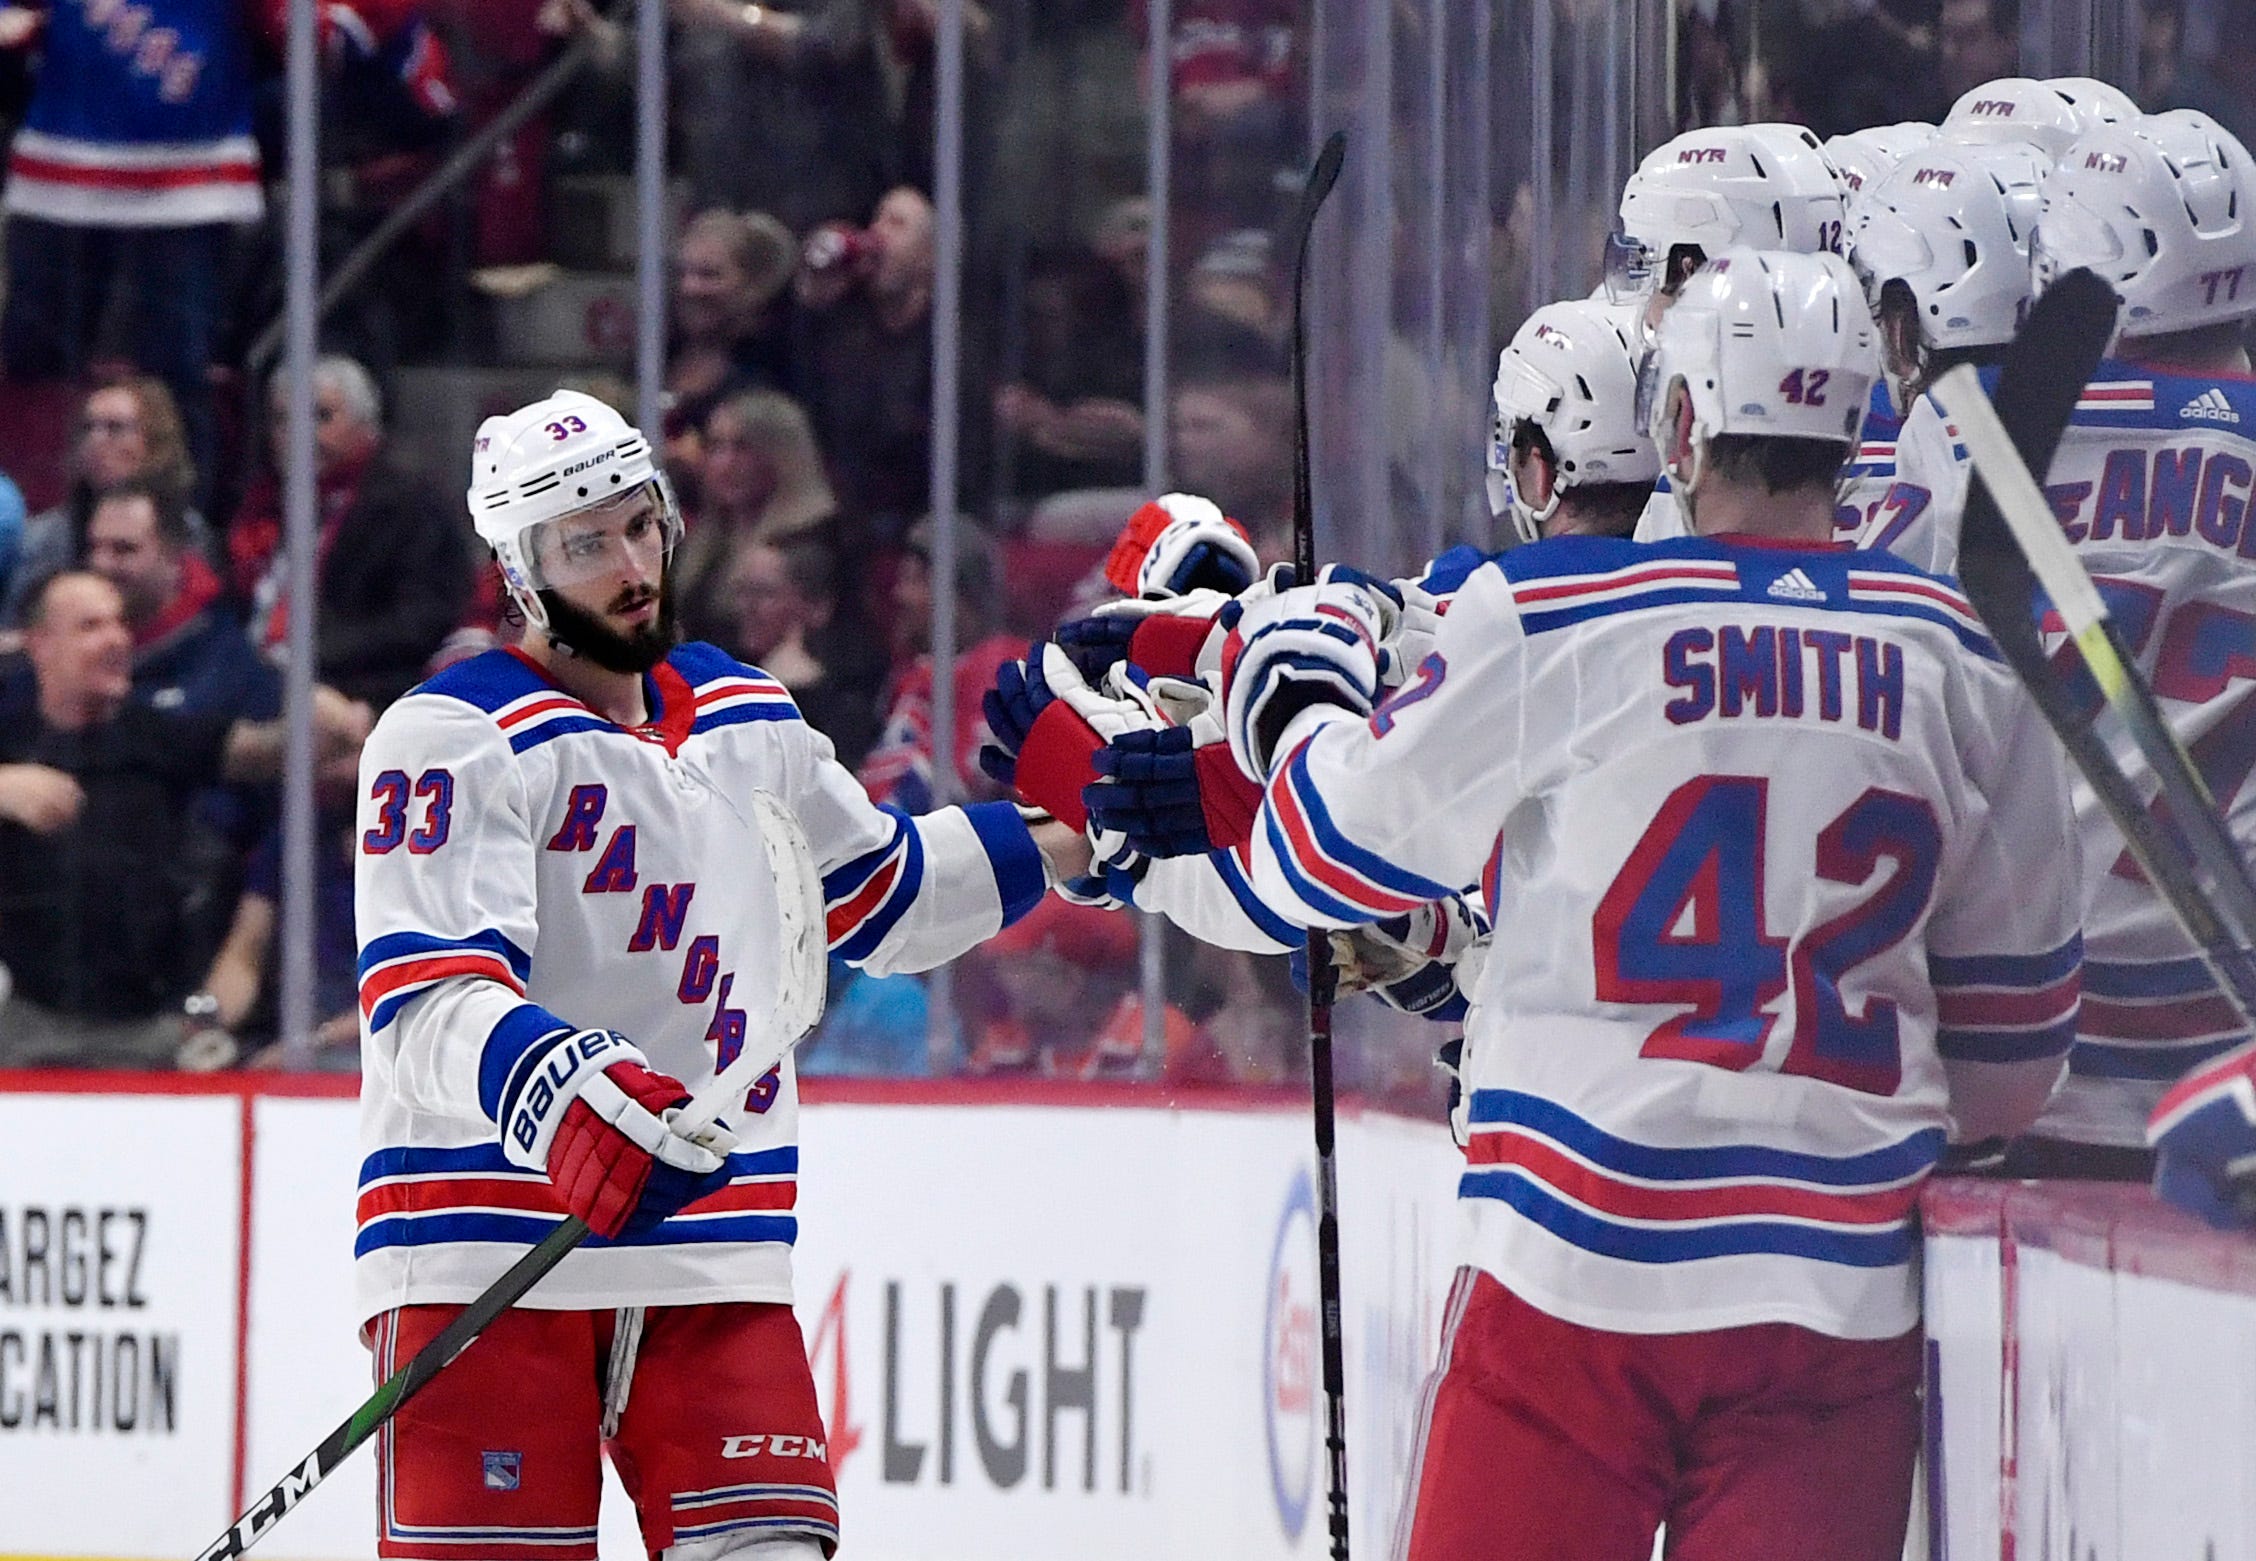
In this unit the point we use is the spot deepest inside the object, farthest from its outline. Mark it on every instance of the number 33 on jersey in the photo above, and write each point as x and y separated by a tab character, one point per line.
525	866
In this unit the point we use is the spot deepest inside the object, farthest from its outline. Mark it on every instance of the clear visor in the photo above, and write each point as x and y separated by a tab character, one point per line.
1630	267
615	542
1649	391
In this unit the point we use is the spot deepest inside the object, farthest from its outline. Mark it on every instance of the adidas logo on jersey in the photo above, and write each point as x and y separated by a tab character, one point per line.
1794	586
2211	405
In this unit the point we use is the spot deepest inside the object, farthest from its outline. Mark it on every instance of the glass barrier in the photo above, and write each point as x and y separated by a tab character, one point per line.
480	235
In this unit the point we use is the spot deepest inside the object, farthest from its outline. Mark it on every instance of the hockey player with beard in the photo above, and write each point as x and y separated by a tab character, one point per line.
2151	484
1790	870
558	930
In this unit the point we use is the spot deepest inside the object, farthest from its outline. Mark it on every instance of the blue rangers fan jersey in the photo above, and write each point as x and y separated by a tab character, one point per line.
141	117
1785	875
2152	483
527	866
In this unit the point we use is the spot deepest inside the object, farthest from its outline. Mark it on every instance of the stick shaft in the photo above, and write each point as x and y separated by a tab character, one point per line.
259	1519
1321	977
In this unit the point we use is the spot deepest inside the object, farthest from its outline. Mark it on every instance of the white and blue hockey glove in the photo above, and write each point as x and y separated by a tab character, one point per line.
2204	1136
1422	963
1308	647
1180	542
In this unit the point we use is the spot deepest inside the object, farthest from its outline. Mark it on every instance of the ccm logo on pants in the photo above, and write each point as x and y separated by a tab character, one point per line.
773	1447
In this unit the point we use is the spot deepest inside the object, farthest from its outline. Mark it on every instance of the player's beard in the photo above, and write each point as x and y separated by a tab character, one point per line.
586	635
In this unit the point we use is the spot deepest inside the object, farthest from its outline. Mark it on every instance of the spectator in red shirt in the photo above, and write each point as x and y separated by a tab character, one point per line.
899	770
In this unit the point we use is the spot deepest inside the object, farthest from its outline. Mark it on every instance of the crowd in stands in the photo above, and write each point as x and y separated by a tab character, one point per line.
142	610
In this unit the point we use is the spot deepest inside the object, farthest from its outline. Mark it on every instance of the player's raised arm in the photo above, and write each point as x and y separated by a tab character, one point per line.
1352	787
910	893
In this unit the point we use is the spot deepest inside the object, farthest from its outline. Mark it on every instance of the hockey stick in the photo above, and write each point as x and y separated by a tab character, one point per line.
1322	978
799	1003
2011	543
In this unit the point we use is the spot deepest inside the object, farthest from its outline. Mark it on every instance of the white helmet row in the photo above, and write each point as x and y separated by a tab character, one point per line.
1864	157
1764	343
1952	224
1571	372
544	462
2161	208
1763	186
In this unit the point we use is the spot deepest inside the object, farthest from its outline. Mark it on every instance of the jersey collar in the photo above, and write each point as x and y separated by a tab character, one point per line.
673	703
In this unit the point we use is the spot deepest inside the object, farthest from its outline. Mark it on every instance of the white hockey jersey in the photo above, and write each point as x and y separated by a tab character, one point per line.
2152	483
526	867
1784	870
1871	471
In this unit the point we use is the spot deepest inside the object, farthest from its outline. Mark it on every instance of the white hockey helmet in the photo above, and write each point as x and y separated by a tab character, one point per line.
1952	224
1864	157
2020	108
541	463
1570	371
2096	102
1763	186
2162	210
1765	343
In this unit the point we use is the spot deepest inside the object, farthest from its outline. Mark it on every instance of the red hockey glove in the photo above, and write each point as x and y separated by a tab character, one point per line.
593	1116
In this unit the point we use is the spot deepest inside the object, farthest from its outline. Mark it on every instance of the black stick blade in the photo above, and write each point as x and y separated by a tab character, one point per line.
1321	178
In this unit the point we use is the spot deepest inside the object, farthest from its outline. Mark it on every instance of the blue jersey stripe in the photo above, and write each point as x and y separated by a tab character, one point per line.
398	945
1305	888
1882	1248
2019	970
1020	878
865	939
488	1160
2159	978
2157	1062
426	1230
2007	1046
547	731
1338	848
1257	912
738	715
1722	1162
841	882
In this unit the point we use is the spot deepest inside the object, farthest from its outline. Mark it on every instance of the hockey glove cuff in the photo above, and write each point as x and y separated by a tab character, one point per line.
2204	1135
1319	645
1165	637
